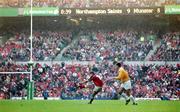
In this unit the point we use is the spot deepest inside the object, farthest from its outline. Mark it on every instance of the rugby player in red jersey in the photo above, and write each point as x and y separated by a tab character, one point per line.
98	85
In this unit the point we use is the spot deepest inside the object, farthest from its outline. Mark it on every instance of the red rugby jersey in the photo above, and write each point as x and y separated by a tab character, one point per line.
97	81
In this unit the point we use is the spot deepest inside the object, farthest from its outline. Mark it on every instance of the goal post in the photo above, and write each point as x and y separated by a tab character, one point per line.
30	90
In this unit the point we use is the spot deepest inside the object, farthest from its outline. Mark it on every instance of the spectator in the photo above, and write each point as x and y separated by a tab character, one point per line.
58	81
109	46
87	3
45	94
169	48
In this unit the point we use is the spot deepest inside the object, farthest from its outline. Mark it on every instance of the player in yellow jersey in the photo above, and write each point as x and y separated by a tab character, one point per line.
123	77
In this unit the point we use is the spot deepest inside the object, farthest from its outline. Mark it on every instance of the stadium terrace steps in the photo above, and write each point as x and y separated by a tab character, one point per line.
59	56
151	52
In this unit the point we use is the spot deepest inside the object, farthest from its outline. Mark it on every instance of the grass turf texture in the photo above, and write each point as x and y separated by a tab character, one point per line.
82	106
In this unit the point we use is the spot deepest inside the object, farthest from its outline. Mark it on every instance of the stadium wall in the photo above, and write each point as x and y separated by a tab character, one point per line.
58	98
93	62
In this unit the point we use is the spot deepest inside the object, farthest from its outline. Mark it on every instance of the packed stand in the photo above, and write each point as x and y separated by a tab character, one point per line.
148	81
87	3
13	67
16	48
169	49
155	81
13	85
98	46
47	45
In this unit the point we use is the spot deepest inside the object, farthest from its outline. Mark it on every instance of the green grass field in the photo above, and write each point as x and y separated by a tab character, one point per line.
82	106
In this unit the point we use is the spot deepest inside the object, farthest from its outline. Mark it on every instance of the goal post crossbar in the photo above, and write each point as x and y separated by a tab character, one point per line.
15	72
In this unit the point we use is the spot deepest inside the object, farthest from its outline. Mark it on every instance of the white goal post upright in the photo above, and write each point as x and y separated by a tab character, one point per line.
31	37
30	89
31	83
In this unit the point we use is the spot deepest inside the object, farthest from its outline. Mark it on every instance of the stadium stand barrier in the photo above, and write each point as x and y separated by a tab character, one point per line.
93	62
58	98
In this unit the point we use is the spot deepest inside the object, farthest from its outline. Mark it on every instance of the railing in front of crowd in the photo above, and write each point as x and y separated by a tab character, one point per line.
93	62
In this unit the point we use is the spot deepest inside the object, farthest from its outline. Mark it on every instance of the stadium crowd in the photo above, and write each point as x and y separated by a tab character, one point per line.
148	81
94	46
13	67
16	48
123	45
86	3
169	49
46	45
13	85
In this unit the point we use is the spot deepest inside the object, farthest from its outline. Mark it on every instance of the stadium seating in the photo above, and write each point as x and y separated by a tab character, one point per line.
123	45
86	3
148	81
12	67
168	49
16	48
96	46
46	45
13	85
